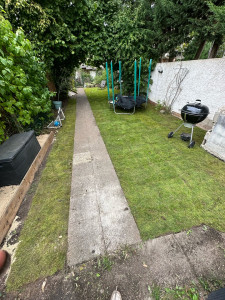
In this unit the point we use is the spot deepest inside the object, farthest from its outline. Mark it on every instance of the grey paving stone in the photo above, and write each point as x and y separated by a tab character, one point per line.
204	248
100	219
85	240
82	184
83	169
84	207
111	200
106	179
119	229
81	147
167	263
82	158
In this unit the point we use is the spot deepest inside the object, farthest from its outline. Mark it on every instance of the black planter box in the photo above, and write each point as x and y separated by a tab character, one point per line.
16	156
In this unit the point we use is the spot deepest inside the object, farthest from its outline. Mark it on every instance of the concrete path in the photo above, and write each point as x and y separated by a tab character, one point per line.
100	220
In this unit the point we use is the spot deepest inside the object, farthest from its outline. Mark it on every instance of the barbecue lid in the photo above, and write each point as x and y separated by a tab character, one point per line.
195	108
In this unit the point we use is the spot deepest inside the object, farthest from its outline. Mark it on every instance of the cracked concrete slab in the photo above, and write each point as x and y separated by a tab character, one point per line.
166	262
82	204
86	239
184	257
100	219
204	251
111	200
119	230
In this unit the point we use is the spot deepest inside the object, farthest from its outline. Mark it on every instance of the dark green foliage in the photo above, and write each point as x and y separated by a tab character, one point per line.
179	21
66	33
217	9
24	96
192	48
59	29
128	34
101	75
135	38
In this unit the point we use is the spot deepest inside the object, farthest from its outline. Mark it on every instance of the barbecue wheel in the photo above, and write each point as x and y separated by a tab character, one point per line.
191	145
170	135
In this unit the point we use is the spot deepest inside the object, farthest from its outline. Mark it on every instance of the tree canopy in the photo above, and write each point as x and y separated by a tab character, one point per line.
57	29
66	33
188	21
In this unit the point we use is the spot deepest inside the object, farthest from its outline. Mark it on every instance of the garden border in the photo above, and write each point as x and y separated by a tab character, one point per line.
14	204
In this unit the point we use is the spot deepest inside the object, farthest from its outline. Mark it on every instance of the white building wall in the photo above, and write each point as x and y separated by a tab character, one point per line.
204	79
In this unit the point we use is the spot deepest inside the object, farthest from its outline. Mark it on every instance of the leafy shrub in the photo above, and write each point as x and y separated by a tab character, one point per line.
72	82
23	92
83	78
101	75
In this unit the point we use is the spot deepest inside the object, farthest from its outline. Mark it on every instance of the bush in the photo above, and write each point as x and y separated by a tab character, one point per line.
83	79
101	75
24	96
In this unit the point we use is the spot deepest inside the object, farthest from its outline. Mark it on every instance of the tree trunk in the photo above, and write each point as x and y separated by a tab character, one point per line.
50	83
214	49
200	49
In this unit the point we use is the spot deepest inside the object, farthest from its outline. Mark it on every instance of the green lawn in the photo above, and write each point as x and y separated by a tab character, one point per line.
168	186
43	247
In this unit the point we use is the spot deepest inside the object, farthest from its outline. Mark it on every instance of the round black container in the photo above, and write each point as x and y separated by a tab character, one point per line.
194	112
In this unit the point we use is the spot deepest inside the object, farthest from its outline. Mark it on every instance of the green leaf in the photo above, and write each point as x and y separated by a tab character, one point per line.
3	61
13	88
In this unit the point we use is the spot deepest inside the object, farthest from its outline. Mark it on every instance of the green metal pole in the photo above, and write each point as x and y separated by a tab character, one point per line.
120	77
112	82
149	75
107	77
135	80
139	79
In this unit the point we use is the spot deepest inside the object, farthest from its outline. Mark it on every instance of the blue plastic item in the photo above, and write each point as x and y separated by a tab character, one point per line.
56	123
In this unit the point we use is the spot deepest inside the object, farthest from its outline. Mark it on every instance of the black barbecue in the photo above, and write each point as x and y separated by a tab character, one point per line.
191	113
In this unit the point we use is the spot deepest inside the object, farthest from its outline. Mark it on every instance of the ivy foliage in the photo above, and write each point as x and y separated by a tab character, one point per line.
23	93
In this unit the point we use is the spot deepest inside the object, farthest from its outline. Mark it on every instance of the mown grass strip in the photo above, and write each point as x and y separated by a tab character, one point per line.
43	246
168	186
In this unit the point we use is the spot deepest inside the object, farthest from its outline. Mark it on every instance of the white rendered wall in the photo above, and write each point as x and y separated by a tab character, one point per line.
205	80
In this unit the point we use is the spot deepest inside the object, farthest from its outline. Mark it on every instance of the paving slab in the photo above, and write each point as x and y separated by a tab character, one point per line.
184	257
100	220
166	262
204	248
82	204
118	230
86	239
111	200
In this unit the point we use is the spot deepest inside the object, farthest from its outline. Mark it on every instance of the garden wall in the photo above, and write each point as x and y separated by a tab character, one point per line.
178	82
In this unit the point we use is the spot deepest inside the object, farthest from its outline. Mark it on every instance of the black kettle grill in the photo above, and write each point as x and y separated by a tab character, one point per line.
191	113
